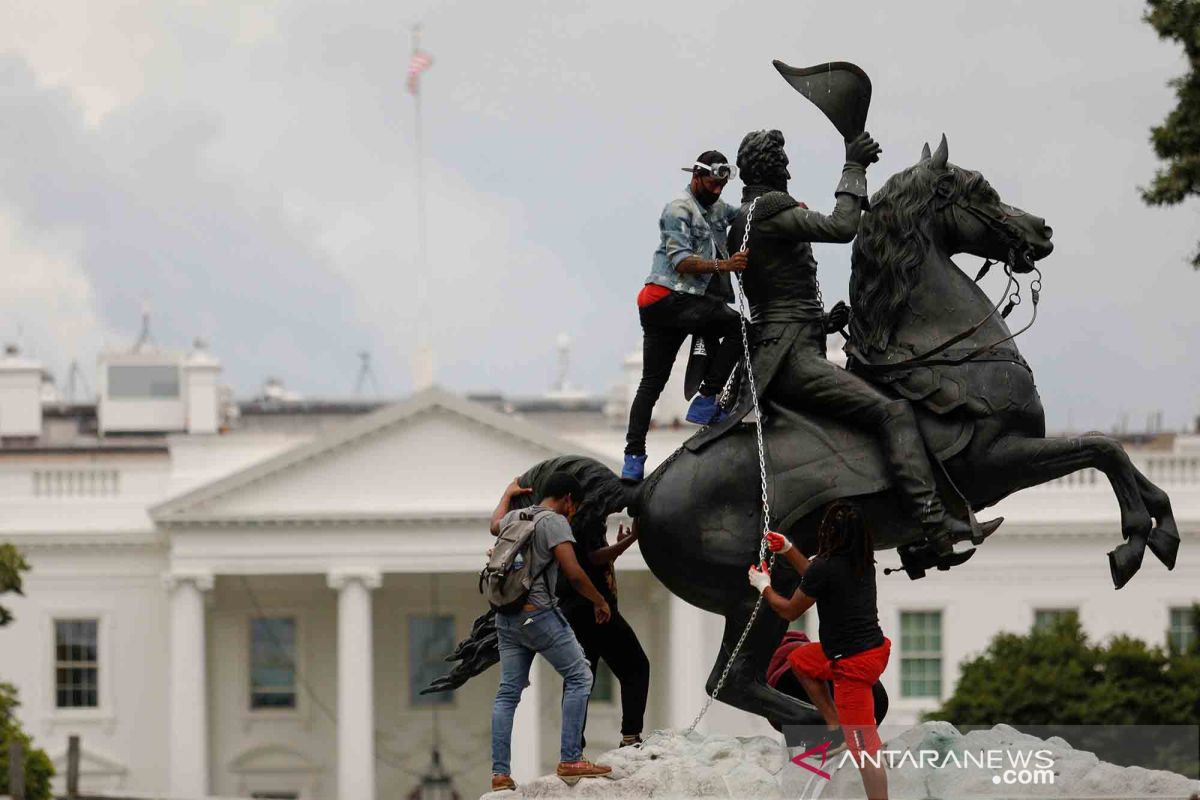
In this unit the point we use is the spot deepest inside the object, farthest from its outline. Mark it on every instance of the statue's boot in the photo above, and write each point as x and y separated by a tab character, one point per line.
912	474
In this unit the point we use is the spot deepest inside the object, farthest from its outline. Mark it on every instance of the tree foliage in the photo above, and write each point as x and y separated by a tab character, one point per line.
1177	139
38	768
12	564
1054	676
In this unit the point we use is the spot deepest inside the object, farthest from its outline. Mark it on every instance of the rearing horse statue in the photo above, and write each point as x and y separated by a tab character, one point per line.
921	329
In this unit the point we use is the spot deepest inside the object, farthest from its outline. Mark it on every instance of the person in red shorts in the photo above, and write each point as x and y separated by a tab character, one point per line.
852	651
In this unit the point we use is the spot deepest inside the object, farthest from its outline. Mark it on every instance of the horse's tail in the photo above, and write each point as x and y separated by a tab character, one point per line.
604	492
635	495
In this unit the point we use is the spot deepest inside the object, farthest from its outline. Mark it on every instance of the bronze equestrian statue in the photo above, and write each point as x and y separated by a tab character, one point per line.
976	404
922	332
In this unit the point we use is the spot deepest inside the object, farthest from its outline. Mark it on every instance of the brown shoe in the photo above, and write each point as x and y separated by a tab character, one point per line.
572	771
503	782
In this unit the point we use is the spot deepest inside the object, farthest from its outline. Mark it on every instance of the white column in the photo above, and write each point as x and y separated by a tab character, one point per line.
527	729
355	683
690	659
187	727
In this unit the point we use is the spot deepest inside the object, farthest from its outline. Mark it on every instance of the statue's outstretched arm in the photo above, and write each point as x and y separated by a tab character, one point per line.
806	225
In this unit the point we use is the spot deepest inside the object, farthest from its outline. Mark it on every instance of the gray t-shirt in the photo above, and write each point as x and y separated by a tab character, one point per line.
549	532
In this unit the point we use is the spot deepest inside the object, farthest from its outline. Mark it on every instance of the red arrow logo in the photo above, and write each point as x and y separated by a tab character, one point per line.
823	749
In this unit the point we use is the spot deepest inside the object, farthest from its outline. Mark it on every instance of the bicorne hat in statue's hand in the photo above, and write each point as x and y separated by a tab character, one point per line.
840	89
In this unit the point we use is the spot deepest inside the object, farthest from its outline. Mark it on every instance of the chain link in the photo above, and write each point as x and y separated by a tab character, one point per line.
762	475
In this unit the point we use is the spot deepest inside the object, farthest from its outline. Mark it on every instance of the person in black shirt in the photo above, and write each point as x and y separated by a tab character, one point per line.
615	641
852	651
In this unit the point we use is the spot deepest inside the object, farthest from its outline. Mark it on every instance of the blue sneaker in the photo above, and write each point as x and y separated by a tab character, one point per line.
705	411
635	467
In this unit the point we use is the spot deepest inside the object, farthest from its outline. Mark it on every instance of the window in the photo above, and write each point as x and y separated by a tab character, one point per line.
1182	634
1049	617
920	654
143	382
76	663
272	663
430	640
602	689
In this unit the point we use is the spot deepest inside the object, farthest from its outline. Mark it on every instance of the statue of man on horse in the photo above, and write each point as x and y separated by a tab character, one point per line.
790	324
938	410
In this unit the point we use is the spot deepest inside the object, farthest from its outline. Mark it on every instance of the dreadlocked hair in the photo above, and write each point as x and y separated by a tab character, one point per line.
843	530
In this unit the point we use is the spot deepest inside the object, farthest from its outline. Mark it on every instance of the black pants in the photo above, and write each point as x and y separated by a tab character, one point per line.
618	645
808	381
666	324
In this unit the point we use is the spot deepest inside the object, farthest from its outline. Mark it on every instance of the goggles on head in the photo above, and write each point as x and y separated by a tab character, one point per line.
721	172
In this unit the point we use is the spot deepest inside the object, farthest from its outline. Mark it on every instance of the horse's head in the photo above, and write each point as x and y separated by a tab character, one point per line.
931	204
969	216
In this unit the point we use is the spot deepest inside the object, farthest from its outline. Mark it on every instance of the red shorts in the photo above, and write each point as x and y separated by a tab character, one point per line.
853	678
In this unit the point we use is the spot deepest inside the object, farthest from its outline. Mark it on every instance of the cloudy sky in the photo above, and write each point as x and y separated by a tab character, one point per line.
247	171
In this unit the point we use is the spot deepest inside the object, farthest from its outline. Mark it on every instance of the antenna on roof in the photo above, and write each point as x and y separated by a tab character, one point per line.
564	362
365	373
75	377
144	338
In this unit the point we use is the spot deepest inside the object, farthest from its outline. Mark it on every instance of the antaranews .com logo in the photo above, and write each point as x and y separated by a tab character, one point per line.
1012	767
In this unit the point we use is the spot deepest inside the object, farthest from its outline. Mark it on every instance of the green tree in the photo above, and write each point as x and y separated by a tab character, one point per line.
1053	676
1177	139
38	768
12	564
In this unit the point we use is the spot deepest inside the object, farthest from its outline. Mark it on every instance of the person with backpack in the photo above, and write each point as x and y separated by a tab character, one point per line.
852	651
615	642
532	545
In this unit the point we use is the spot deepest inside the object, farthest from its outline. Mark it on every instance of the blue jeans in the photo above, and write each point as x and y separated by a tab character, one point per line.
520	636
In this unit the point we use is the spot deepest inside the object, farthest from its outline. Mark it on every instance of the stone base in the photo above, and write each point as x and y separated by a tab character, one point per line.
671	765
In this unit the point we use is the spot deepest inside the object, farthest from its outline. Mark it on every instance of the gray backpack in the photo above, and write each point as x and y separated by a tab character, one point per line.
507	578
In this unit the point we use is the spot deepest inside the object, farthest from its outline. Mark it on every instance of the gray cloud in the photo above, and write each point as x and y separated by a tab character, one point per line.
251	172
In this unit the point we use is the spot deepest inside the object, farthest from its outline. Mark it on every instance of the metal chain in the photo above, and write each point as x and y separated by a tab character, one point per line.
762	474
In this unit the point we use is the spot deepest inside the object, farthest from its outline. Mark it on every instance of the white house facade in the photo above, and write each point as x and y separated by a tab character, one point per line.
247	604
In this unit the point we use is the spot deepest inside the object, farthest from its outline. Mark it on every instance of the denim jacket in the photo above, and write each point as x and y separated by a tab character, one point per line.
686	229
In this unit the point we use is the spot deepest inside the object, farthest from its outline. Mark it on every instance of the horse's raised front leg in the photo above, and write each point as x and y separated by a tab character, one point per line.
745	686
1016	462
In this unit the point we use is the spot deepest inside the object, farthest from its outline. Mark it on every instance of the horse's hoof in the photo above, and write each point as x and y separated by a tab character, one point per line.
1126	559
1165	546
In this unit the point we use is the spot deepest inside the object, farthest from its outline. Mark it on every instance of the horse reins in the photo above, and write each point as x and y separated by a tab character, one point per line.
1017	248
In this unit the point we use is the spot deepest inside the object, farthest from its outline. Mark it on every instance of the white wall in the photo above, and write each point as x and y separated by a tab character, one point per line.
123	588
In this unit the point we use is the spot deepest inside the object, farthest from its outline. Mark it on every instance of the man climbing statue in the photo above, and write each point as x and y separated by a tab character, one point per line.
687	292
790	323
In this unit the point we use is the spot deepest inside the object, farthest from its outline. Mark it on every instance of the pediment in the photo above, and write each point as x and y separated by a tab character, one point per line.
272	758
435	454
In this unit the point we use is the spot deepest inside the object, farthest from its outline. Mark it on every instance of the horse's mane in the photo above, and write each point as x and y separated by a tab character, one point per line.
893	240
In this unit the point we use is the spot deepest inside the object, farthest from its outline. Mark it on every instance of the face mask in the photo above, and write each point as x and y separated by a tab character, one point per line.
705	197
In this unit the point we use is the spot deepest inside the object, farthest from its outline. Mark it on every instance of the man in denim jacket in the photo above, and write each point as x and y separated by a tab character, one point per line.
687	292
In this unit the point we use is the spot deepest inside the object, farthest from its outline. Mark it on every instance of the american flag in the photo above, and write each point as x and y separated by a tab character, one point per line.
420	62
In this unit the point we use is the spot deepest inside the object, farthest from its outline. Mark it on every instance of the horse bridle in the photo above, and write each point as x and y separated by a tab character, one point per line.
1018	249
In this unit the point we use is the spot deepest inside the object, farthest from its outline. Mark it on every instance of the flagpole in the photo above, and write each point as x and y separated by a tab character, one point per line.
423	369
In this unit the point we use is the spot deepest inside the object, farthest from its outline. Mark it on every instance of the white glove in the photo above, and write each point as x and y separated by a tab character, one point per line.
778	543
759	579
